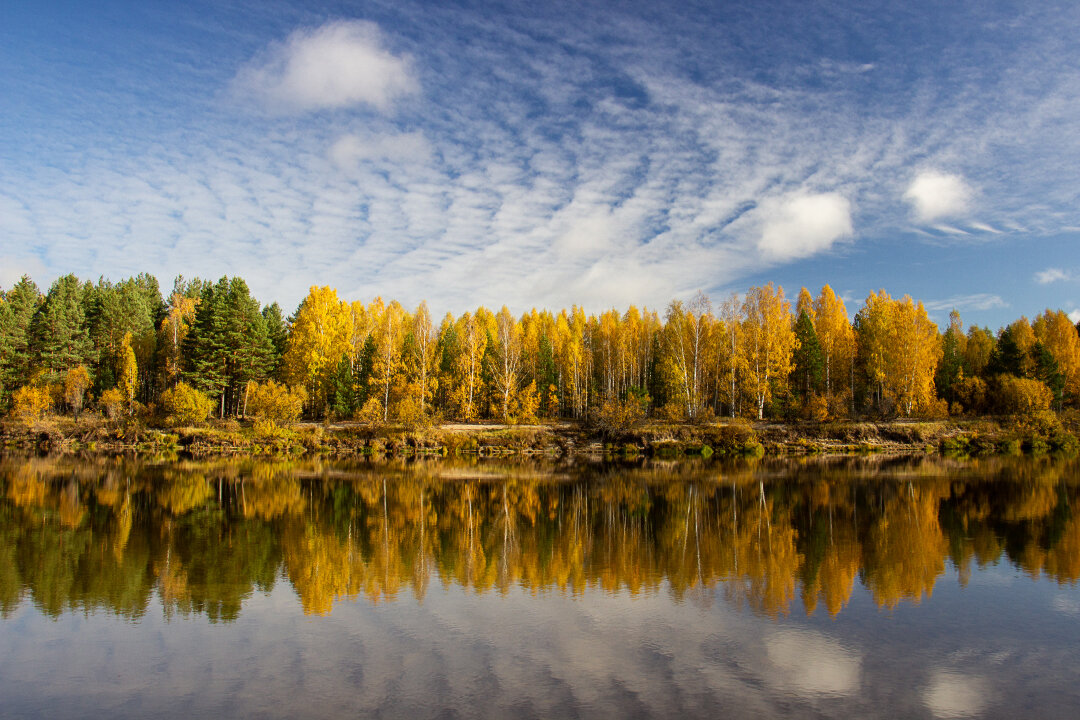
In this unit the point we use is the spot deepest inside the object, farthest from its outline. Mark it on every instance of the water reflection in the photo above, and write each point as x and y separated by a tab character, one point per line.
201	537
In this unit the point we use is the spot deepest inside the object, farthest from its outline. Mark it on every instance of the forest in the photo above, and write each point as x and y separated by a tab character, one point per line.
210	349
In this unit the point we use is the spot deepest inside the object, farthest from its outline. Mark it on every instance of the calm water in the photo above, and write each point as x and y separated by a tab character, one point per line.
853	587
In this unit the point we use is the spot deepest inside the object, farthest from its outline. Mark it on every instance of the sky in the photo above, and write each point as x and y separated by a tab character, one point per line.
549	153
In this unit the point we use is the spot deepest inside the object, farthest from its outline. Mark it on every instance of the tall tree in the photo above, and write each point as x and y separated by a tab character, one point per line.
507	358
424	341
58	331
953	350
769	342
1056	333
319	339
17	308
808	362
837	339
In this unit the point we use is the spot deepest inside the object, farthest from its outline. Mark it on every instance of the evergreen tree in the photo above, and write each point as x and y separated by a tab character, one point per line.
17	308
950	369
204	346
59	335
1049	371
278	331
809	363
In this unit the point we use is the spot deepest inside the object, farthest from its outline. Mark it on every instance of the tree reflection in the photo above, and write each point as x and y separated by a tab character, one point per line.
202	537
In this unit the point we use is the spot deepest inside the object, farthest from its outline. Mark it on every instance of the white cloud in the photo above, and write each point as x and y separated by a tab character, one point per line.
974	301
401	148
1050	275
983	227
802	225
934	195
1075	315
339	64
949	229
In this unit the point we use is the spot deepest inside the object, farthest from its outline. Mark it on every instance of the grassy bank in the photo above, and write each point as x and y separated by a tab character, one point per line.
1039	434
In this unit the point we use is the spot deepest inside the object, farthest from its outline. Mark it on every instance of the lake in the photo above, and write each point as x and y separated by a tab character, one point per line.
854	587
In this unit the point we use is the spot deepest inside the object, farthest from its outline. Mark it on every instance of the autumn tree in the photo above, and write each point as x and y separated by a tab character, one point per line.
730	358
423	354
837	340
953	349
76	383
179	317
769	343
1057	336
128	380
506	365
319	339
391	324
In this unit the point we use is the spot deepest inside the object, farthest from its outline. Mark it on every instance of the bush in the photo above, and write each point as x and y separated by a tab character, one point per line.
409	413
111	403
971	394
276	403
30	402
816	409
614	414
371	413
76	382
183	404
1020	396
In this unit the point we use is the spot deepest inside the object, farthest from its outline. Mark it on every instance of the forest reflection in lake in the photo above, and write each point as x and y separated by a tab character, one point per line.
760	544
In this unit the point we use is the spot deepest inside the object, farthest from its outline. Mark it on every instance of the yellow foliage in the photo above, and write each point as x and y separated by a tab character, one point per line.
129	372
275	402
1059	336
371	413
526	404
30	402
1021	396
817	409
111	403
614	414
76	381
184	405
409	412
769	342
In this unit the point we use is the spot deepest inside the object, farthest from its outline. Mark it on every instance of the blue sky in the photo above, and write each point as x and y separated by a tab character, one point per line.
549	153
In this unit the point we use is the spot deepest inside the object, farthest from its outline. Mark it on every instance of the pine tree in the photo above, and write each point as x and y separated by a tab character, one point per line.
809	365
17	308
58	332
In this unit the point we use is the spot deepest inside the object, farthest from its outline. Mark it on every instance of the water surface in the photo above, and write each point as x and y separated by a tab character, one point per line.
846	587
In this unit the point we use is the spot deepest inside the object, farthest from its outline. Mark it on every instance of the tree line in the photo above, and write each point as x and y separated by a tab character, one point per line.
126	348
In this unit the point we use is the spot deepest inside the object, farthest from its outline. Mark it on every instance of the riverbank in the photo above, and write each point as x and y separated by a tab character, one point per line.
983	436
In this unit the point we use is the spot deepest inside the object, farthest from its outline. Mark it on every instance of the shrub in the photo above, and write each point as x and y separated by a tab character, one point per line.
30	402
817	409
183	404
76	381
409	413
1020	396
371	413
276	403
971	394
614	414
111	403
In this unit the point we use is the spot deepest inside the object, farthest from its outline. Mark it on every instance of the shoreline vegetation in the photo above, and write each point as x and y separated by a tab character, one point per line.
739	438
117	367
